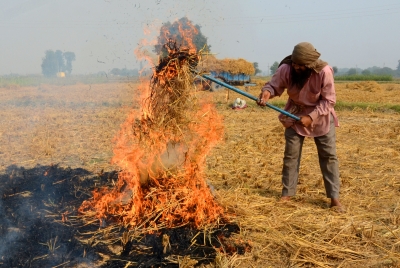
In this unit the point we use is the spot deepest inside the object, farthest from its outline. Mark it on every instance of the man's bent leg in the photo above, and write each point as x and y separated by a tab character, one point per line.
291	162
329	164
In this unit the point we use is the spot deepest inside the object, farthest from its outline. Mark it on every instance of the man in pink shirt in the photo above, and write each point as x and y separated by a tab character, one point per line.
310	86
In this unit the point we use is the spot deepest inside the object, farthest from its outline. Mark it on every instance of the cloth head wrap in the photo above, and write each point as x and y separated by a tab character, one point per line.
305	54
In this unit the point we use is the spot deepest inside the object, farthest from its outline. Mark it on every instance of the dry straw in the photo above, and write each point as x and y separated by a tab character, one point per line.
235	66
244	169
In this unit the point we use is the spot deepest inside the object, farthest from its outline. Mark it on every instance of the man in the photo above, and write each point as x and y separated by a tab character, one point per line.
310	86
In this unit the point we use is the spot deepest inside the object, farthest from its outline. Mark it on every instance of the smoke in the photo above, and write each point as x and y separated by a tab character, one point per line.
8	233
31	207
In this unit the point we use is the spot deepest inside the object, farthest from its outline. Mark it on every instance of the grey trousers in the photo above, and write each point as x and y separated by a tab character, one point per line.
328	162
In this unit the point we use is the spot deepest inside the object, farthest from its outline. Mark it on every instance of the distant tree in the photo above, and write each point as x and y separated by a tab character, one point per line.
352	71
374	69
366	72
381	71
385	71
49	64
54	62
60	61
257	71
274	67
398	69
115	71
174	31
335	69
69	57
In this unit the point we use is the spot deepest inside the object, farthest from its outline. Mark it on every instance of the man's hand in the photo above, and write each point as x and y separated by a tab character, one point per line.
305	121
263	98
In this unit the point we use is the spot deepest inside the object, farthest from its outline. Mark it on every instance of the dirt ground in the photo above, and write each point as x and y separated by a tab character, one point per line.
68	131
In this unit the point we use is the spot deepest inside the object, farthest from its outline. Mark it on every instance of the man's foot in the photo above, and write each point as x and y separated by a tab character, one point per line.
335	202
336	205
285	198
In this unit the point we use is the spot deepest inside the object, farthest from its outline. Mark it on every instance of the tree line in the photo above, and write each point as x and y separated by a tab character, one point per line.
55	62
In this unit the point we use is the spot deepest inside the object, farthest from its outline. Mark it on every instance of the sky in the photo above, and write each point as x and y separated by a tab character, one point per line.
103	34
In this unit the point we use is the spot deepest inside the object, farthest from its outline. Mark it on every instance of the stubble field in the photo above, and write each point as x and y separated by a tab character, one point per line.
72	127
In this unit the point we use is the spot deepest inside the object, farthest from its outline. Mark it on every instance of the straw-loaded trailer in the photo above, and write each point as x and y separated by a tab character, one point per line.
235	72
239	79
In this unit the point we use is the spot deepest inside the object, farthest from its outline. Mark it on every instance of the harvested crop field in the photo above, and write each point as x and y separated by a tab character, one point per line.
56	144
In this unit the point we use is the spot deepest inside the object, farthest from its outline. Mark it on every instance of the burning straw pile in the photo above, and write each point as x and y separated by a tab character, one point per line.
161	150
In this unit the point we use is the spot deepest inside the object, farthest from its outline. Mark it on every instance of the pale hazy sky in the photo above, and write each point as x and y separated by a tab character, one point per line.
104	33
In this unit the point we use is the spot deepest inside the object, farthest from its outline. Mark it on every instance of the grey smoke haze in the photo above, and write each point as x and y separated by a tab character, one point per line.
104	34
30	208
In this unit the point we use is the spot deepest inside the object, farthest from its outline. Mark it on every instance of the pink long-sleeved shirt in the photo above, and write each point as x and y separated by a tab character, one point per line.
316	99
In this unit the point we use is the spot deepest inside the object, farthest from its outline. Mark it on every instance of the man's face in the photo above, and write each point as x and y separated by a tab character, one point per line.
299	68
300	74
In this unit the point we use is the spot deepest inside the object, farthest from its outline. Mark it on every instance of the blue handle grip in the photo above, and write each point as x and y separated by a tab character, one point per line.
219	82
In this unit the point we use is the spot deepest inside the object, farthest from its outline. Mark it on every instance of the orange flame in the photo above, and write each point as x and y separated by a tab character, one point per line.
162	182
184	35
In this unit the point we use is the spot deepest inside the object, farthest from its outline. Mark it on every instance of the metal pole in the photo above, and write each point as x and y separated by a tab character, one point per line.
250	96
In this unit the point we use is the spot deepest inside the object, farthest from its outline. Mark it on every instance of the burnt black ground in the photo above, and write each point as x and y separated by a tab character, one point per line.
31	207
32	201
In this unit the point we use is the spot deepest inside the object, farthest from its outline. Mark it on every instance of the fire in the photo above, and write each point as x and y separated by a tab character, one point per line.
161	150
